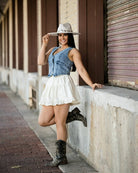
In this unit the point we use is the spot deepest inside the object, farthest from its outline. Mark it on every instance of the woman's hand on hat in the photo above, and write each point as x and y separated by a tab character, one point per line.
96	85
45	39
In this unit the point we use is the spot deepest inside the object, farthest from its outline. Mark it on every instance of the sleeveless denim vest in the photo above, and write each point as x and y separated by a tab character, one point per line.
59	64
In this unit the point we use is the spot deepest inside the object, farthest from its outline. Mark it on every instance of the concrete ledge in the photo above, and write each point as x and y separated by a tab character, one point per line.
118	97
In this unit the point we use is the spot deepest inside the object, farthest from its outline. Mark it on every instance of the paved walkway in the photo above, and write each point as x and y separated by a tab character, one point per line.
20	148
24	145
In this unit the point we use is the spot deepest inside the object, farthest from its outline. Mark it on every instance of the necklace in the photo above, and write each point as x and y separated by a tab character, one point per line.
62	48
59	50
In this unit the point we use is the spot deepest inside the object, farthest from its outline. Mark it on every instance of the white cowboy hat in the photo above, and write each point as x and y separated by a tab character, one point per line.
63	28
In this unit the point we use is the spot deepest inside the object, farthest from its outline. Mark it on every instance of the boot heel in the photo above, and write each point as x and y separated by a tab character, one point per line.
63	162
85	122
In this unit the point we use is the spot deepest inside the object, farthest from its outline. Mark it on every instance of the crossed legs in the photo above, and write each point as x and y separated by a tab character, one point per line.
50	115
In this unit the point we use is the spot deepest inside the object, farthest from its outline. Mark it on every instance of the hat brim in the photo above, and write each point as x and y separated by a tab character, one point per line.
56	33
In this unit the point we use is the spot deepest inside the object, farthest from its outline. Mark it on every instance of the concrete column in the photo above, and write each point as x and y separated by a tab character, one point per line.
16	32
3	46
5	40
25	35
39	33
68	12
10	36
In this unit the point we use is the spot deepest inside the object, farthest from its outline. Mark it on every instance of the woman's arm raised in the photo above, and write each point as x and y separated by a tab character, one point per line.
43	55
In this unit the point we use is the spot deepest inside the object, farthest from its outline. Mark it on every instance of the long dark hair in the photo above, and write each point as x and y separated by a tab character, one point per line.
71	43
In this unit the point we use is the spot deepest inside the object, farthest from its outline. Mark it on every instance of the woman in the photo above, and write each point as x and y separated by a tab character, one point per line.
60	91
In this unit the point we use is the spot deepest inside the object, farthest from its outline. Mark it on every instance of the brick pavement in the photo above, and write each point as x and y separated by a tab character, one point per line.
20	149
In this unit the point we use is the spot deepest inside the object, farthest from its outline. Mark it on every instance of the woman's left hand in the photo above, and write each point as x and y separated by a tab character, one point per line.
96	85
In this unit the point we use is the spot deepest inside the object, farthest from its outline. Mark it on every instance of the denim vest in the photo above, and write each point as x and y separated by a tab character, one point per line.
59	64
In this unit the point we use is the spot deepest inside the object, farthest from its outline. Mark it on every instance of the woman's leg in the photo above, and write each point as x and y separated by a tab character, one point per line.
46	116
61	113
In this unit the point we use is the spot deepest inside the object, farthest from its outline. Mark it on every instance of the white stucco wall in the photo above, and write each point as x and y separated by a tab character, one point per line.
20	82
110	142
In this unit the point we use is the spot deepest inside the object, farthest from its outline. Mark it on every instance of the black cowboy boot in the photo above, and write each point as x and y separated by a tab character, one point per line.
75	115
60	158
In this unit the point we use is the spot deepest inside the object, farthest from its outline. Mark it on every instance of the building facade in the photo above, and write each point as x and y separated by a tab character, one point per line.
108	43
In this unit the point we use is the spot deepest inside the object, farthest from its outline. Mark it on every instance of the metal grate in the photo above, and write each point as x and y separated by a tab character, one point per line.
122	33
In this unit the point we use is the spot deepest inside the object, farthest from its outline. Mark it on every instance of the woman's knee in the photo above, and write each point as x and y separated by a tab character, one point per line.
41	122
60	123
45	116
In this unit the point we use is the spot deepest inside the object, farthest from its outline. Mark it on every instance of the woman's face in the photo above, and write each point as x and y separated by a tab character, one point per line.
63	39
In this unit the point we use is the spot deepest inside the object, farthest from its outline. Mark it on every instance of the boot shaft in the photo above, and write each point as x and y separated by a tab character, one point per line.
60	158
60	148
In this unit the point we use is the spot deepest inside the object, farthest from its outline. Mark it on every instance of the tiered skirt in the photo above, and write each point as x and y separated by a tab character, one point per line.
60	90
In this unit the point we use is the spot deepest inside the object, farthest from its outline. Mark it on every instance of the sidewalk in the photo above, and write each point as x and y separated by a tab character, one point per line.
24	145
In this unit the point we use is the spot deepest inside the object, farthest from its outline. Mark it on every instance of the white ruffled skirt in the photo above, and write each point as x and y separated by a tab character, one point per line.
60	90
